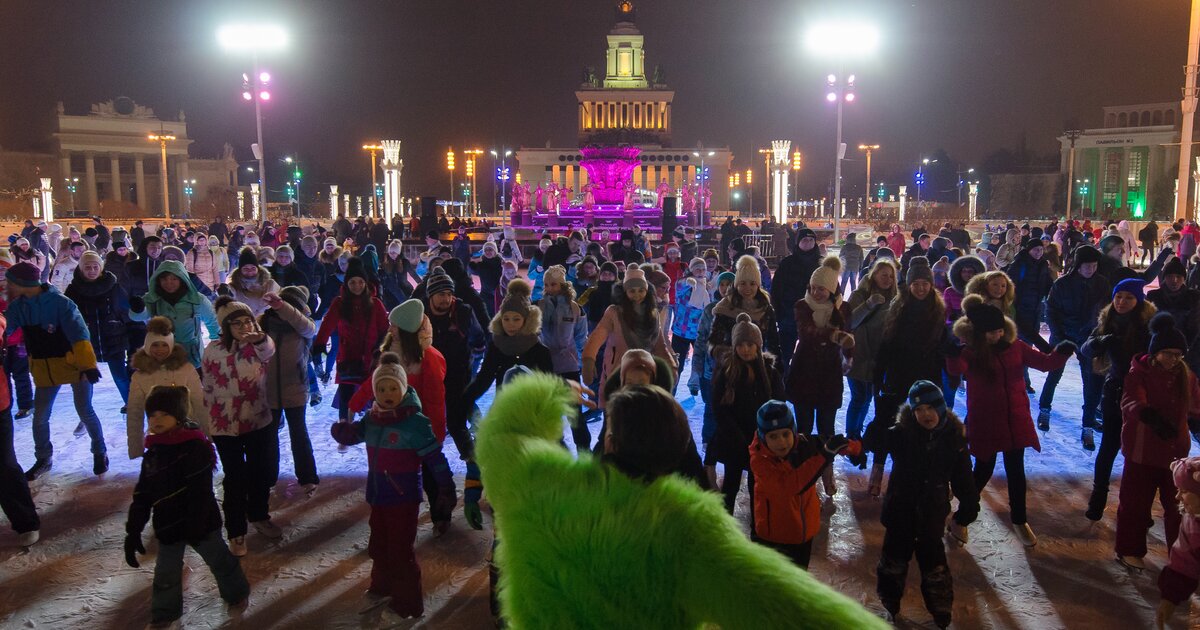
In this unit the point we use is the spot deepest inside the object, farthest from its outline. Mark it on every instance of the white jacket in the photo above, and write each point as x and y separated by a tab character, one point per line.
149	373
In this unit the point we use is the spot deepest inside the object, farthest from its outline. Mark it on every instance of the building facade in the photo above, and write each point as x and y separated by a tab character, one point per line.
1128	166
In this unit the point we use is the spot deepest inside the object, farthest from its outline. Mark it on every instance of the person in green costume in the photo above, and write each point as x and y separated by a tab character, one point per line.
618	541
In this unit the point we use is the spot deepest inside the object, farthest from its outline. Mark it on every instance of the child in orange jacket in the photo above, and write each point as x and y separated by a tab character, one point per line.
786	467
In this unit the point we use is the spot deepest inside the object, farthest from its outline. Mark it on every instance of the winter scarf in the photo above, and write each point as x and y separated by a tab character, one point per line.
186	431
821	311
513	345
642	339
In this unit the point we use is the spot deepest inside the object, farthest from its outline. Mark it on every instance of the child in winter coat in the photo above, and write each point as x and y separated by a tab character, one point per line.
596	299
745	381
786	466
234	374
161	361
747	297
175	488
399	441
516	330
1180	577
930	462
961	271
289	326
814	378
997	289
1161	393
691	296
624	522
564	331
998	418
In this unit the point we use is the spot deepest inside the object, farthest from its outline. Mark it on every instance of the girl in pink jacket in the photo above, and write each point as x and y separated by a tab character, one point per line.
1180	577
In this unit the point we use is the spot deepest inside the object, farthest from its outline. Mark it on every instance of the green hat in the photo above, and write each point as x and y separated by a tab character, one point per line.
408	315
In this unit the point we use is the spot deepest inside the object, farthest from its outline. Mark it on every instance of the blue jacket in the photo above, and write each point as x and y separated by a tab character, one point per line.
686	323
56	337
564	331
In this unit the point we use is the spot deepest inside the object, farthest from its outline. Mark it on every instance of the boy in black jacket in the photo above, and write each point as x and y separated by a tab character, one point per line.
176	483
928	446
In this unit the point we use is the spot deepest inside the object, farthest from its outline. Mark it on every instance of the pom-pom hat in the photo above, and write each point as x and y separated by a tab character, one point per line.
774	415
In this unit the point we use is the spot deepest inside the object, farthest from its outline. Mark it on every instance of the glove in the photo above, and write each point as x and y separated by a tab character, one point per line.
1159	424
858	459
93	375
1065	348
954	349
473	515
136	304
836	444
133	546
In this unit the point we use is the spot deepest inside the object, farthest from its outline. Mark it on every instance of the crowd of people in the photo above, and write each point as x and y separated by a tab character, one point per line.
216	337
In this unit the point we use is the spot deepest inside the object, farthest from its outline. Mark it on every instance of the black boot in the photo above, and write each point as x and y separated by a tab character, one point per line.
99	463
39	468
23	413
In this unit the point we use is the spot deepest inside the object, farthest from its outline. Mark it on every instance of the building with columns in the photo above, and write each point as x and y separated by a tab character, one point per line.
624	107
1128	165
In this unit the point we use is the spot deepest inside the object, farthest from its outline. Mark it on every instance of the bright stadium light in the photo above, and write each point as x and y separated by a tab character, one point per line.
252	37
842	39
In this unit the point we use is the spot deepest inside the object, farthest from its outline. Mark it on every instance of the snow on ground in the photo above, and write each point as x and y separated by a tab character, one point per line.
316	575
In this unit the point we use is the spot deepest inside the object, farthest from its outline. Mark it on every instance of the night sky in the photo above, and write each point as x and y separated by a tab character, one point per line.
964	75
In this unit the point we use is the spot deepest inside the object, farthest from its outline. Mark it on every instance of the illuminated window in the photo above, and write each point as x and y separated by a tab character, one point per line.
624	63
1134	170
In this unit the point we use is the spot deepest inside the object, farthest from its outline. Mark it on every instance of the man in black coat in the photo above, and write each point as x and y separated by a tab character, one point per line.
218	230
789	286
137	234
1112	265
1071	311
342	228
920	247
456	334
379	235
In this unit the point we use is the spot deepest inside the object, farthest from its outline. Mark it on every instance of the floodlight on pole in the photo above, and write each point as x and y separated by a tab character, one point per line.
252	37
162	139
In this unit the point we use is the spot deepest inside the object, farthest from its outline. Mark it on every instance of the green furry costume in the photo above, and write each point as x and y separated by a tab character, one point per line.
585	546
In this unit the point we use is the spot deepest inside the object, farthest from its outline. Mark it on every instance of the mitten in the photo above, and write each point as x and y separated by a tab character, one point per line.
93	375
136	304
133	546
1065	347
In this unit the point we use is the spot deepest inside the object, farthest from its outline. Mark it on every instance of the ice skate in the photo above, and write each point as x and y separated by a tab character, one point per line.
1025	534
309	489
958	533
374	602
237	546
1132	562
80	430
28	539
1043	420
314	399
875	486
268	529
941	620
99	464
164	625
392	620
23	413
1089	439
39	468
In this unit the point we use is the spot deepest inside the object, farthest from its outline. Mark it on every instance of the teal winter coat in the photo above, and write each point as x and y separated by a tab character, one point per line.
187	314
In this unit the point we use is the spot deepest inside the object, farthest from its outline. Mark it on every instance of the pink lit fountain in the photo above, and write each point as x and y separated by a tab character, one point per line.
609	170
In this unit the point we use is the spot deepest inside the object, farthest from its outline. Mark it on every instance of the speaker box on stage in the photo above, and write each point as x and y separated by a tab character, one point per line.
428	215
669	219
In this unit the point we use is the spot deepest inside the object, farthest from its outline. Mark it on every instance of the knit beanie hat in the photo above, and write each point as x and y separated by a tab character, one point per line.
636	359
1135	286
658	278
1186	474
1165	335
171	252
516	300
438	281
918	269
983	316
1174	266
297	296
746	270
745	331
355	269
635	279
609	266
774	415
285	249
408	315
828	274
926	393
390	369
1087	254
247	258
24	274
173	400
885	252
159	328
1109	242
489	246
330	241
556	273
227	307
726	276
98	259
697	266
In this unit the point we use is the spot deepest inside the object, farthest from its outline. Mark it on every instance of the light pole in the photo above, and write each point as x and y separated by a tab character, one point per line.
1072	135
920	178
450	168
162	139
750	191
797	164
971	170
72	182
868	148
501	174
766	153
472	155
374	166
702	176
1188	107
255	38
295	164
1083	185
841	40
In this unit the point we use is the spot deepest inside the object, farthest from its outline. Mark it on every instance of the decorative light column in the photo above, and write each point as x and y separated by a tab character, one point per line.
241	194
903	201
333	202
972	202
47	200
255	202
780	150
392	166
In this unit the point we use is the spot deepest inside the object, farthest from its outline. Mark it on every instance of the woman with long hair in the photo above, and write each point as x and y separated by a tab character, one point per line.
360	321
867	307
747	297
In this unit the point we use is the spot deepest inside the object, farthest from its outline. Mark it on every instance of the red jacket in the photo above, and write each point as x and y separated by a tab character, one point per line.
357	340
786	508
998	417
896	243
1151	386
431	390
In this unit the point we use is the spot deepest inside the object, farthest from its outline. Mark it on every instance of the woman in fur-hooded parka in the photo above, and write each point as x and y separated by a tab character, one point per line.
505	350
998	417
608	524
149	373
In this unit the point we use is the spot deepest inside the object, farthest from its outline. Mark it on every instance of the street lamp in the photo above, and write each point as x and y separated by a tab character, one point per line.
374	187
450	168
296	176
702	178
797	164
501	174
868	149
188	189
840	41
162	139
920	178
961	182
255	39
72	182
750	190
472	154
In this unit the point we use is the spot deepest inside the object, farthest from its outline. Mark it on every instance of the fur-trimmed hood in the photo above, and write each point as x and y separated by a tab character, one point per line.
907	418
960	263
327	258
965	330
239	284
533	323
143	362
